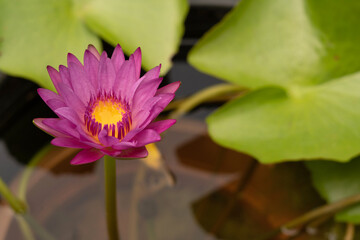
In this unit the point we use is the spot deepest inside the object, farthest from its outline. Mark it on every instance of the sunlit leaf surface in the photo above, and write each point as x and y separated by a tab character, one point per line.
273	125
301	62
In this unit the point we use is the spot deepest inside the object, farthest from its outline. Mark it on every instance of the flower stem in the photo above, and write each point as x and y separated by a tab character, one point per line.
205	95
17	205
110	196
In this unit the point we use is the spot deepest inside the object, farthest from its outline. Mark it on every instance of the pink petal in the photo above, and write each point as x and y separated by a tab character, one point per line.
141	113
72	100
79	82
111	152
105	139
134	153
53	100
72	59
91	66
55	104
68	142
170	88
117	58
136	56
148	77
69	114
161	126
125	77
89	140
164	100
145	91
153	73
145	137
47	94
87	156
106	73
123	145
65	75
62	126
93	51
55	76
127	138
39	123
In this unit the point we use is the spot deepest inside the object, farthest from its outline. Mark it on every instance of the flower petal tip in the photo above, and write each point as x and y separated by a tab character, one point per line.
50	68
71	58
138	51
37	121
94	51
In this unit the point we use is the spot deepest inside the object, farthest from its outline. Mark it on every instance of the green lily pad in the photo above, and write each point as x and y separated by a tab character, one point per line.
300	63
274	125
283	43
335	181
156	26
39	33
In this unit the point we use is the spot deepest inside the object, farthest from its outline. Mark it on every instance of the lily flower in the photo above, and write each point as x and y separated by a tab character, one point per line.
104	107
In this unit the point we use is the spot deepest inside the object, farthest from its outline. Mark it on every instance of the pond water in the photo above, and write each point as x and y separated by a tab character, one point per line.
198	191
191	195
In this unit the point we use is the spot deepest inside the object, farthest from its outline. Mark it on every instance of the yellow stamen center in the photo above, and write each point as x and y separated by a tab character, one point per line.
108	112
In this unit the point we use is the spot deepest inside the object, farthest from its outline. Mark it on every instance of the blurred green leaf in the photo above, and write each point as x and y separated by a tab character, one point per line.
156	26
335	181
299	57
274	125
39	33
1	25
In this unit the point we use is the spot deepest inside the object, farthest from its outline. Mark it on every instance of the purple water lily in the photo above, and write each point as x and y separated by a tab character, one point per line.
105	107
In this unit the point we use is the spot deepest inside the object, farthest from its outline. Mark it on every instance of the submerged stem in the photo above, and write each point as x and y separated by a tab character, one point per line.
313	214
16	204
38	229
350	232
110	196
135	198
204	95
25	228
24	180
320	211
243	181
